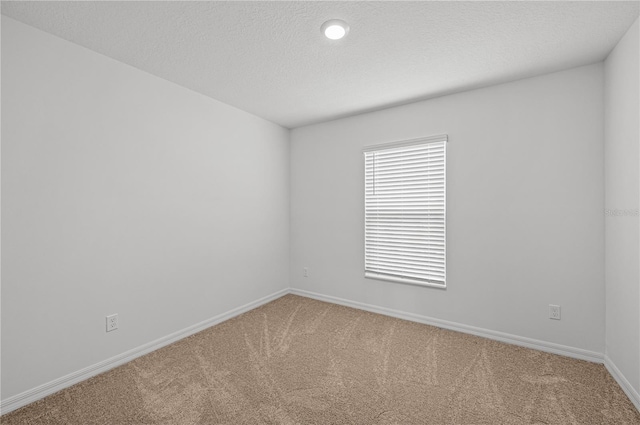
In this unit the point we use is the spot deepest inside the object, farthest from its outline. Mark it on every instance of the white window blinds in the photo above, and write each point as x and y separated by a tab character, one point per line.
405	211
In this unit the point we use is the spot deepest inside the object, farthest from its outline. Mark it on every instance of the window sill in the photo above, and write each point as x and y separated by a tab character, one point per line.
405	280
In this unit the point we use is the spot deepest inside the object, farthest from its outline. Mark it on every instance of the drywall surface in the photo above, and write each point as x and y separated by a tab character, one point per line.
525	200
622	176
124	193
269	57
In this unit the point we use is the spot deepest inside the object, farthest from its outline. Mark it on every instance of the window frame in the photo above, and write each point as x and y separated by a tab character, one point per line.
396	278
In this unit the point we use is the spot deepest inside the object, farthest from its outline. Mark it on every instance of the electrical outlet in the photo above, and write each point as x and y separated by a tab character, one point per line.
305	272
112	322
554	312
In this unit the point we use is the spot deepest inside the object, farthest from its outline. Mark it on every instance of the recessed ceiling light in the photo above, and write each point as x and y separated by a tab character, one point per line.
334	29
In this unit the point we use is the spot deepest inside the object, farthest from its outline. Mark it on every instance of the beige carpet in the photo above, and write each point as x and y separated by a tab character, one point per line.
300	361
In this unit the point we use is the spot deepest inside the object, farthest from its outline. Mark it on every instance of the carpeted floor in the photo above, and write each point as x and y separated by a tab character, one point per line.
301	361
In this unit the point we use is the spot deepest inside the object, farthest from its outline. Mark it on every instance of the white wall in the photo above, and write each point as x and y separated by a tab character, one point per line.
622	176
525	207
124	193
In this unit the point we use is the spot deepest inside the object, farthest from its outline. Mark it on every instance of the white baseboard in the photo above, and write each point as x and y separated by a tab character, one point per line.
549	347
631	392
29	396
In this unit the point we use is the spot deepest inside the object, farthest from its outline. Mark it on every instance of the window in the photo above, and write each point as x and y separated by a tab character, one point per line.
404	213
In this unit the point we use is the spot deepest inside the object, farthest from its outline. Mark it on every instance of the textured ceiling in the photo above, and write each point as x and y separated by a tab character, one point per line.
269	58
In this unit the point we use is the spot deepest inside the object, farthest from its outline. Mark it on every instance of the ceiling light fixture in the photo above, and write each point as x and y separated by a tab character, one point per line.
334	29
